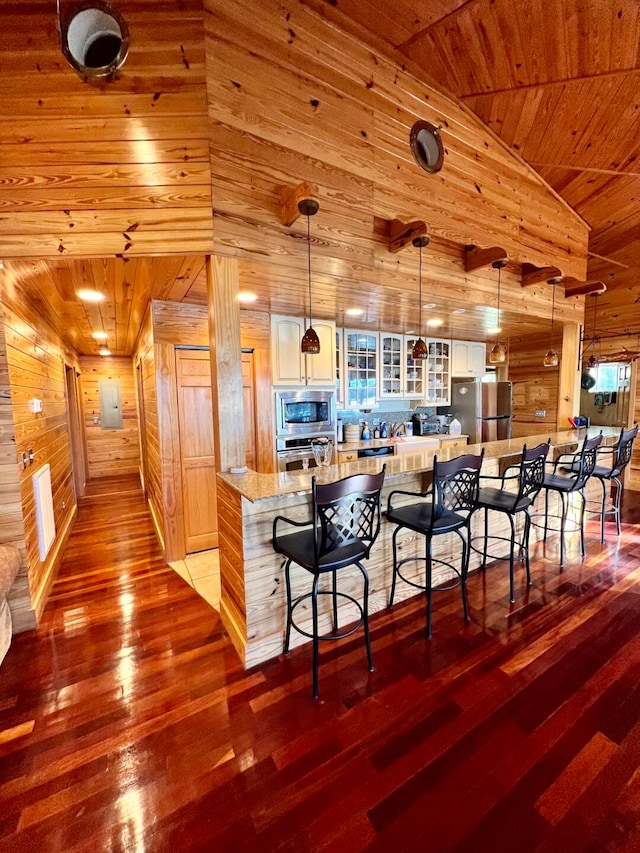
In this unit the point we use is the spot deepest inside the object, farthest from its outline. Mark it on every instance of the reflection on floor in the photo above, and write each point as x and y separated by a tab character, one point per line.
202	572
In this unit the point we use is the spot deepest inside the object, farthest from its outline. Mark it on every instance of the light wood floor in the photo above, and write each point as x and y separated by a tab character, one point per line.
127	723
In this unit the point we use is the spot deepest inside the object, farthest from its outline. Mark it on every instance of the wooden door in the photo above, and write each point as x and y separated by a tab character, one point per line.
249	404
197	460
76	431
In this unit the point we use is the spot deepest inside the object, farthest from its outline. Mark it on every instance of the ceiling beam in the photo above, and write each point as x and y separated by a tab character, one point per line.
291	196
401	234
477	258
573	287
537	275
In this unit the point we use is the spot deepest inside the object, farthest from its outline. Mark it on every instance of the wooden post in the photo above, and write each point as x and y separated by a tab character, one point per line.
569	383
226	361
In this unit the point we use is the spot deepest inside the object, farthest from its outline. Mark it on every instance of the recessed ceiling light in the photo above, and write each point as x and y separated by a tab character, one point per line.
429	305
434	322
410	332
354	312
90	295
99	336
104	351
458	310
495	331
247	296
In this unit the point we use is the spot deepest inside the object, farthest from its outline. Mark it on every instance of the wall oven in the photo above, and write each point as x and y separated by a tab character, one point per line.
295	454
305	413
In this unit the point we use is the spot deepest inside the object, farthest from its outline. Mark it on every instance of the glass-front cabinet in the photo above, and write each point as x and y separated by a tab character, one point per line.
391	373
438	373
361	377
416	370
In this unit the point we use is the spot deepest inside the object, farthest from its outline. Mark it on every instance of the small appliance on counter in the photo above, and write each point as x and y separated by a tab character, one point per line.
424	425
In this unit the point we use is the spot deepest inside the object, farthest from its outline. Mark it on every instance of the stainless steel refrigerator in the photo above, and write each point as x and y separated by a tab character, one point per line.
483	409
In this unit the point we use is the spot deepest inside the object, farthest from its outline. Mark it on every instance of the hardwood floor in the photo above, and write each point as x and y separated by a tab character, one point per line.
127	724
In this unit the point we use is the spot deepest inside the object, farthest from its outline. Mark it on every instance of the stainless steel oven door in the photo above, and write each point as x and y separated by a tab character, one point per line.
305	412
296	460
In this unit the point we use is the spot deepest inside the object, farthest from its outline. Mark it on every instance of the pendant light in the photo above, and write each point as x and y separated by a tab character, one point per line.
310	344
420	348
551	358
498	354
593	358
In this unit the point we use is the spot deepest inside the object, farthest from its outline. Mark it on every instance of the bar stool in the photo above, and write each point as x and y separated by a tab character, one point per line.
452	497
620	457
580	467
344	525
529	475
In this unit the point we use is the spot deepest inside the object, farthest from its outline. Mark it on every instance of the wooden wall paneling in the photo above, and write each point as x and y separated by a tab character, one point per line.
534	387
35	361
169	450
145	357
255	332
226	362
77	438
112	451
117	169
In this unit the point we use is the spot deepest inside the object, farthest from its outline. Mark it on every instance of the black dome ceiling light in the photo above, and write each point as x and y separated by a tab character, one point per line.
426	146
94	38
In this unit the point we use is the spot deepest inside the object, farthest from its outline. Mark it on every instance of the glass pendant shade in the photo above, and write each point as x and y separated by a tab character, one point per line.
551	359
310	344
419	350
498	354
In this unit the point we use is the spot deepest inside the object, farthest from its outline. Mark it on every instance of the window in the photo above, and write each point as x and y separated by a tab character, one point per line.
606	376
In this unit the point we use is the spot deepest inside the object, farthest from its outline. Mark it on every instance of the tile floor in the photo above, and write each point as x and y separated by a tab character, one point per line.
202	572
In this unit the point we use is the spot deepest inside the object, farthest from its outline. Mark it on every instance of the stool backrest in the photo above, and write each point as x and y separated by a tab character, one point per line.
587	460
456	483
532	471
346	511
624	449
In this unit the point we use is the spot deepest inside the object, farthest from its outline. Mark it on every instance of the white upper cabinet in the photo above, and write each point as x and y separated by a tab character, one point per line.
360	369
438	373
469	358
391	373
289	366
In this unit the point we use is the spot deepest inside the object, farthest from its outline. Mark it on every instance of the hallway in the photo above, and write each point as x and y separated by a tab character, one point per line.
128	724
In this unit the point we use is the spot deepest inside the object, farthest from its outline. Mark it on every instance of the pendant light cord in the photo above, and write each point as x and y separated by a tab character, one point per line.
420	296
309	265
553	308
498	323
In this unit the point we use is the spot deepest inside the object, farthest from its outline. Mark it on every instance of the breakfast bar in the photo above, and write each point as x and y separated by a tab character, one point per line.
252	585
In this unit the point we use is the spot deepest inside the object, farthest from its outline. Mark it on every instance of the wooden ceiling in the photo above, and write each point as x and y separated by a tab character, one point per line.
559	82
554	81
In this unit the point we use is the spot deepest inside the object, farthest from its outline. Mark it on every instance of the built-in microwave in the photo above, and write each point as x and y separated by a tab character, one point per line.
305	412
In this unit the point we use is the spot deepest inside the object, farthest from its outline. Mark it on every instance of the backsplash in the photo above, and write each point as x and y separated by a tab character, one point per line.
354	416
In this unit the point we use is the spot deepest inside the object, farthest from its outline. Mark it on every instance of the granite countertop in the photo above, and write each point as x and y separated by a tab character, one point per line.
259	487
374	443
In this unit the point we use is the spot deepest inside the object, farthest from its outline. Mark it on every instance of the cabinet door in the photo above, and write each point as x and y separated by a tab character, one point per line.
415	372
391	373
339	369
360	352
478	359
321	368
439	375
286	359
460	359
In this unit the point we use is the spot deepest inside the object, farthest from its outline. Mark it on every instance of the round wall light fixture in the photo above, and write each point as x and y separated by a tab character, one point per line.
426	146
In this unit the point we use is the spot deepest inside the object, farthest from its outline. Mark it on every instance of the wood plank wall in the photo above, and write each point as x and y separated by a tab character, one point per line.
36	360
113	451
297	99
12	528
534	386
119	167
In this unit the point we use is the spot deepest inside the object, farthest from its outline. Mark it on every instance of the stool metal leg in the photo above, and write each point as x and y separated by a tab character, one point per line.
365	616
546	514
287	577
563	520
603	509
512	594
486	537
584	507
428	584
525	542
618	502
314	609
395	566
335	603
464	568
